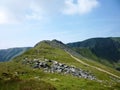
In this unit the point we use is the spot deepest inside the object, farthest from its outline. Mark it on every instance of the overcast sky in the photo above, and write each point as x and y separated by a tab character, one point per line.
26	22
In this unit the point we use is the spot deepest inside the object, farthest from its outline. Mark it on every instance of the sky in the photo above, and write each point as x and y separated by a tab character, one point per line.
26	22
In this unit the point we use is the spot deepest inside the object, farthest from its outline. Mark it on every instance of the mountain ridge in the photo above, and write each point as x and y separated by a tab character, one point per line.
8	54
104	50
52	65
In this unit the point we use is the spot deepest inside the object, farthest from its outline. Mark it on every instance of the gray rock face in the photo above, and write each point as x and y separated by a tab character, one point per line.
53	66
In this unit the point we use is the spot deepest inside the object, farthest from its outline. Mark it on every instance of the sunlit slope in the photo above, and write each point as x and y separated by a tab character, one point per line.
47	50
55	50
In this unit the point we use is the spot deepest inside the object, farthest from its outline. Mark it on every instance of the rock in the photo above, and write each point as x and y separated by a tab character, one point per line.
55	62
54	66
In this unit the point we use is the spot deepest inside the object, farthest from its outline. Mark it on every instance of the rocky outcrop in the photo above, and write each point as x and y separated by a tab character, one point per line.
53	66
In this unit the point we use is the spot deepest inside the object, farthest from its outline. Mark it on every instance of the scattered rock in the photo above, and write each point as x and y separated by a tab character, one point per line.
53	66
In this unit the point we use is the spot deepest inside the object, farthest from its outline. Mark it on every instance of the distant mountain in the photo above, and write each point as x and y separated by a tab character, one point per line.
52	65
104	50
7	54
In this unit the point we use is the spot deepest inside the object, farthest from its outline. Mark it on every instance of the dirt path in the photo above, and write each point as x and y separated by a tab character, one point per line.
102	70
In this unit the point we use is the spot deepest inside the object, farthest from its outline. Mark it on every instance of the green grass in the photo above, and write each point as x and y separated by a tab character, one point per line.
86	52
25	85
46	51
109	69
31	78
73	83
39	80
24	80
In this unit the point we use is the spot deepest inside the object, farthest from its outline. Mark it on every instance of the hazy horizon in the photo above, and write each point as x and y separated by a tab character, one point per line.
51	40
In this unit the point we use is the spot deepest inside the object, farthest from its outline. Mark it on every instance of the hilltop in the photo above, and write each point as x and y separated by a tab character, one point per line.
56	67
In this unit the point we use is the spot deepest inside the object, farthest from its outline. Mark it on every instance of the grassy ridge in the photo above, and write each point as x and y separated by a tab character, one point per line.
38	80
53	80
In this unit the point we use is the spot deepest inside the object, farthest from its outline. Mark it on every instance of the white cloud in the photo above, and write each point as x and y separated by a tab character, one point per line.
35	12
86	6
6	16
81	7
70	7
12	11
3	17
15	11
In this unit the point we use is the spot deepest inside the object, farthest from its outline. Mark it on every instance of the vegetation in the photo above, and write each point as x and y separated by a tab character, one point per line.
103	50
7	54
14	75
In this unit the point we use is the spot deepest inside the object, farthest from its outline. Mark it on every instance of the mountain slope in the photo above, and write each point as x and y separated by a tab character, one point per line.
7	54
32	65
99	69
104	50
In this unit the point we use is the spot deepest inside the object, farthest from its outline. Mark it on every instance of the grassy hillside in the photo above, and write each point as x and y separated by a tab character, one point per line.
7	54
18	73
103	50
15	76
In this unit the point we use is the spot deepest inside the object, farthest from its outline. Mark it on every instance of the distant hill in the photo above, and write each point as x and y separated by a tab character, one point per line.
52	65
104	50
7	54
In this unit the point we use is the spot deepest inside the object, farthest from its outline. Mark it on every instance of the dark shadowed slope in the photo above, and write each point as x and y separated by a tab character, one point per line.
7	54
104	50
